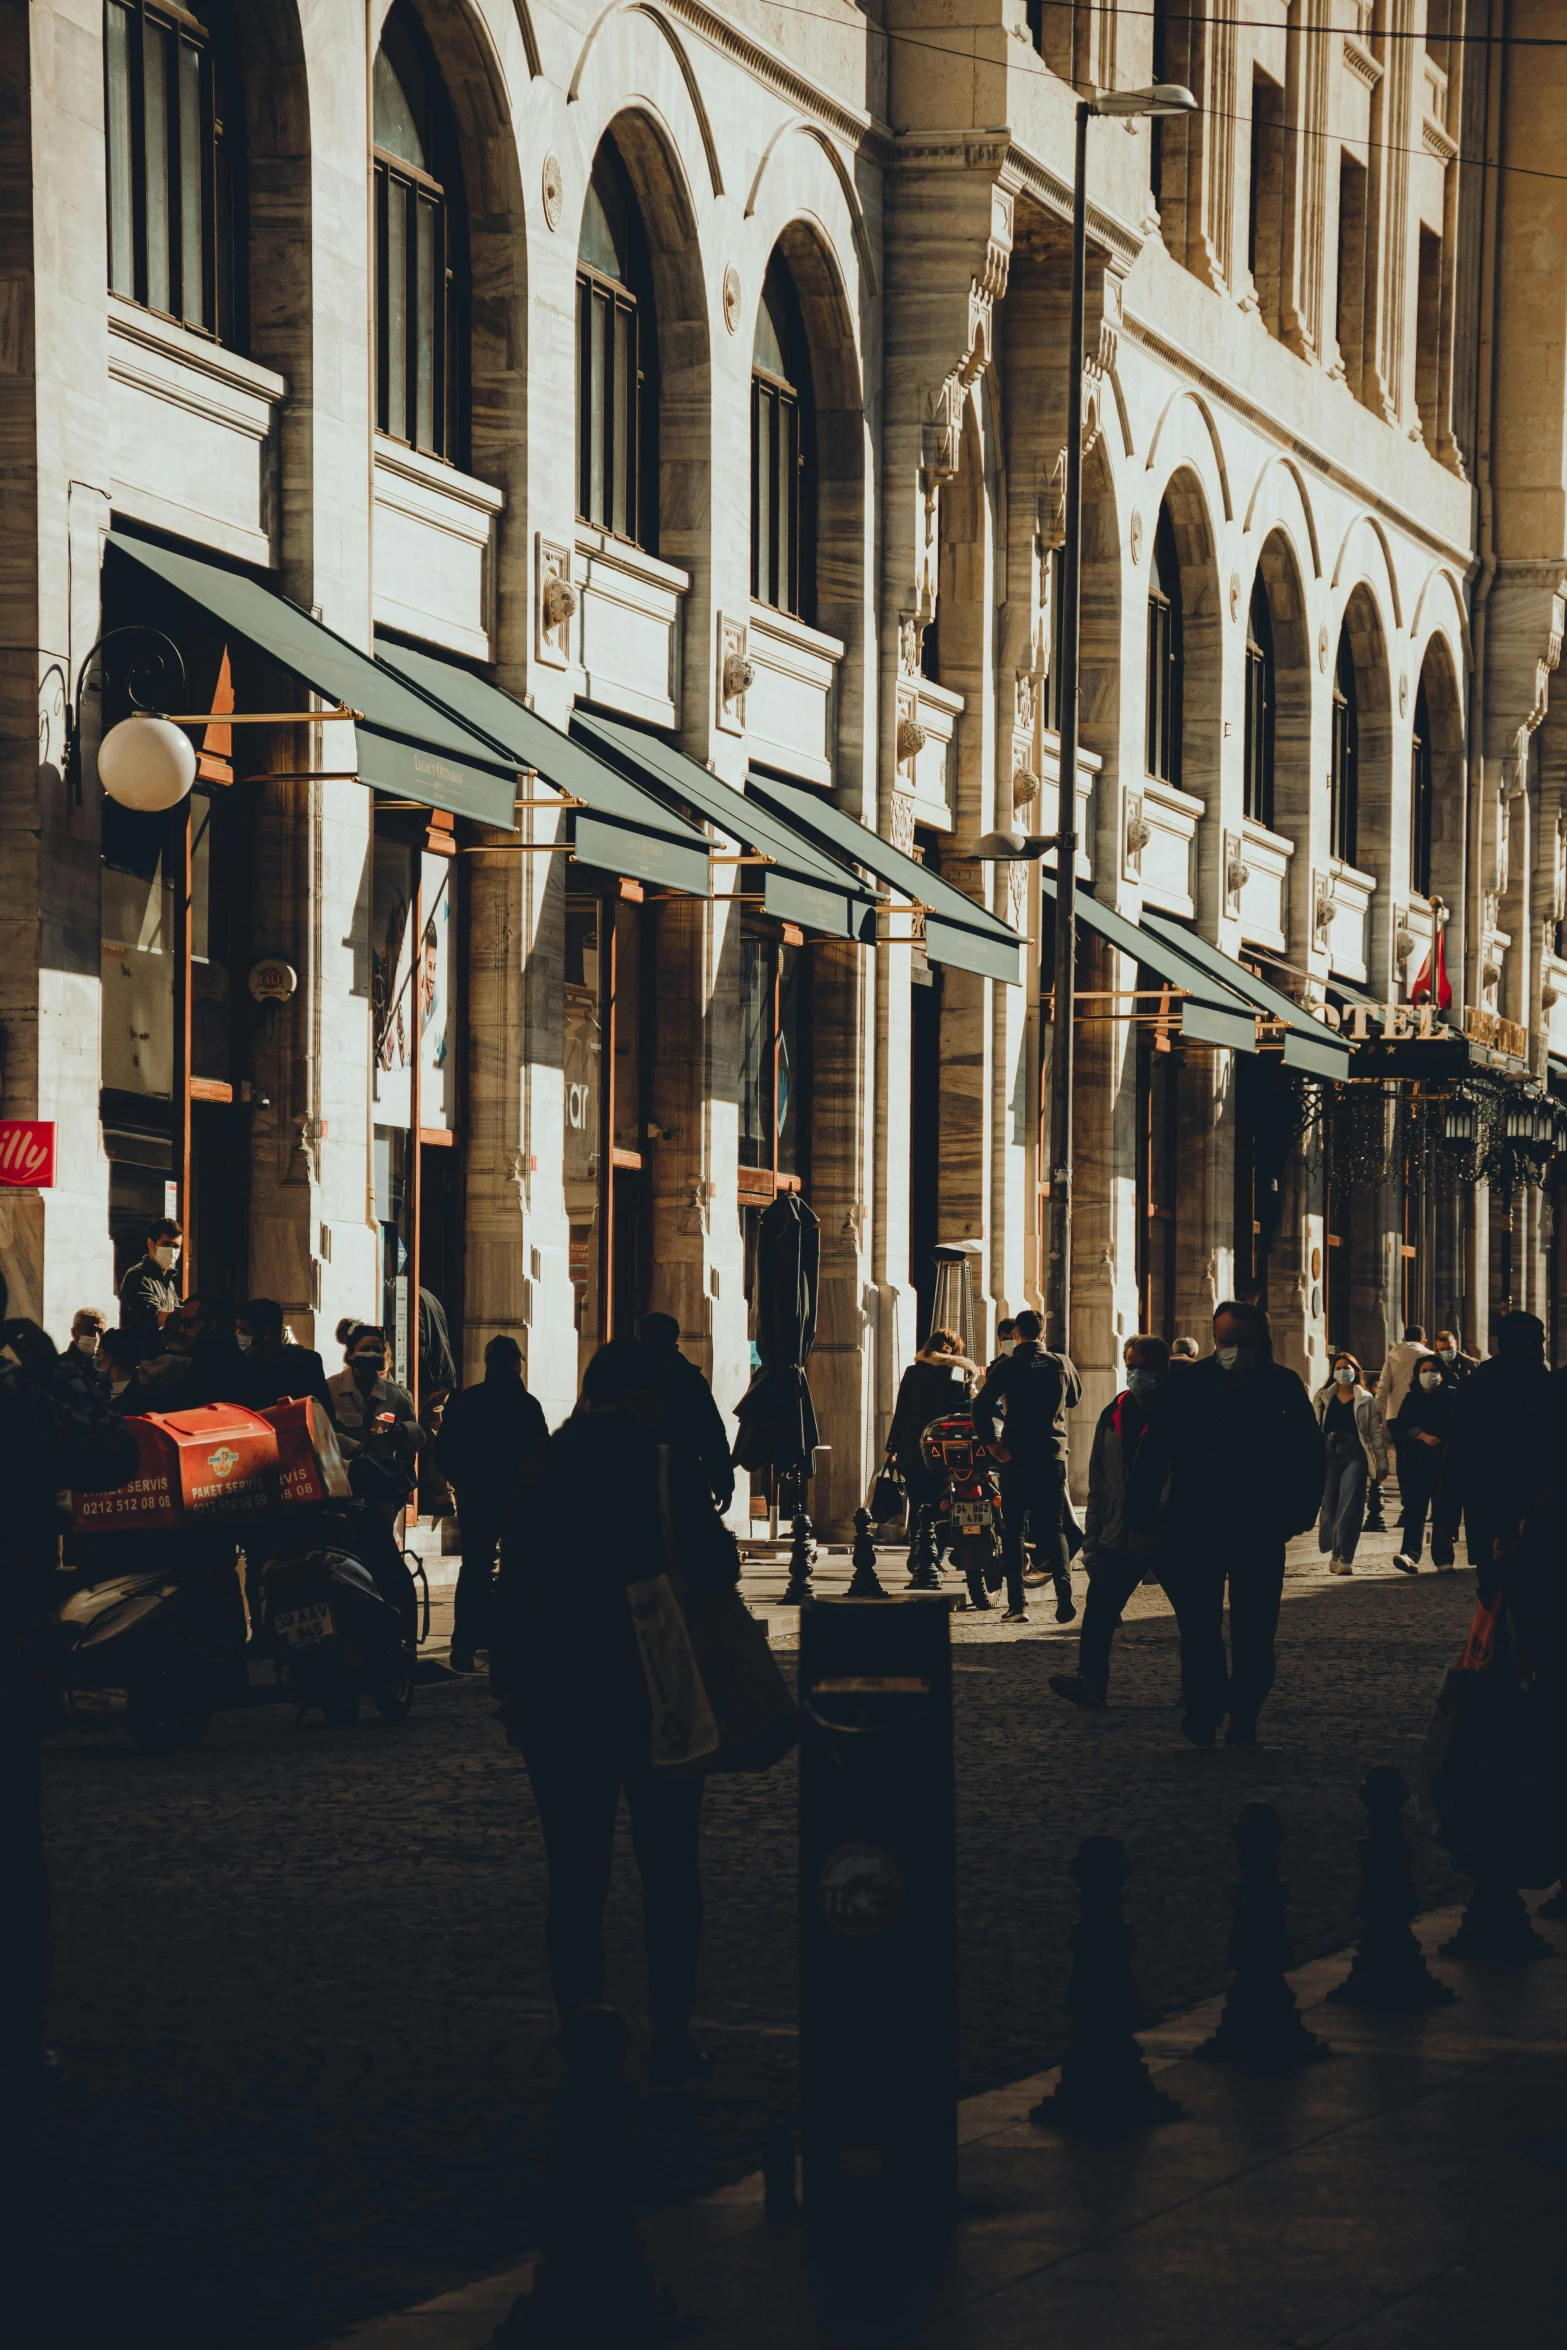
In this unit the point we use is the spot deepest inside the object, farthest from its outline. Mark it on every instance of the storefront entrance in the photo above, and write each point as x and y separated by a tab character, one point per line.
611	1009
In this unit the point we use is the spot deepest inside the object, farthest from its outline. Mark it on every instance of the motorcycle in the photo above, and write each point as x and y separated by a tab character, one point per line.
968	1512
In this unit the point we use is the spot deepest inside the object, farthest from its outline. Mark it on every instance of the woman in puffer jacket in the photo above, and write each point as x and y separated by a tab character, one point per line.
937	1384
1357	1452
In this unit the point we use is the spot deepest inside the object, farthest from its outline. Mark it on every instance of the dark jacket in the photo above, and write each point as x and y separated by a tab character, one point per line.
264	1377
1032	1390
147	1293
564	1663
1118	1436
1503	1426
493	1437
56	1430
1229	1455
932	1388
692	1418
1429	1415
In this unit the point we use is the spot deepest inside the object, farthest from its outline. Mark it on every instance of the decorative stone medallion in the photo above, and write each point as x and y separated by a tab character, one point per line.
554	191
1322	646
1137	538
732	299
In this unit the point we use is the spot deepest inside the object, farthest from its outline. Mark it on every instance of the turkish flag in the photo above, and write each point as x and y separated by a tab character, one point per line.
1439	991
27	1153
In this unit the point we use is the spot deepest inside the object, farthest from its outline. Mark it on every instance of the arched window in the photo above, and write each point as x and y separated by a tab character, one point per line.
420	247
783	451
617	362
174	115
1422	797
1259	708
1345	815
1165	683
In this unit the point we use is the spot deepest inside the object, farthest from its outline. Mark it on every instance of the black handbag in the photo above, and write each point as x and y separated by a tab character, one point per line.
888	1499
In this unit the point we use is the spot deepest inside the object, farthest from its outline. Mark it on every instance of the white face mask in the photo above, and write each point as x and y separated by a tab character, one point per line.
87	1343
117	1387
244	1341
1447	1353
1430	1381
164	1257
1344	1375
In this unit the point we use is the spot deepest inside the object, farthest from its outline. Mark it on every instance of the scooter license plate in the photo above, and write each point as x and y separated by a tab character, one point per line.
302	1627
971	1517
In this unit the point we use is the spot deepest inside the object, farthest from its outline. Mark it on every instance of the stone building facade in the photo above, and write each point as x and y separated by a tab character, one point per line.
689	384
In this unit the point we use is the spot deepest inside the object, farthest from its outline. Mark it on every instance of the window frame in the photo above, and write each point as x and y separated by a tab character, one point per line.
440	195
775	943
1166	680
218	178
627	458
1422	796
783	559
1344	770
1261	711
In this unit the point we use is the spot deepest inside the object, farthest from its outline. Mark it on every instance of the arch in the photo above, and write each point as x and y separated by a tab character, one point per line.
1438	703
1185	504
1278	510
840	431
1441	585
1383	574
1099	629
1277	572
840	170
1363	638
1199	451
683	63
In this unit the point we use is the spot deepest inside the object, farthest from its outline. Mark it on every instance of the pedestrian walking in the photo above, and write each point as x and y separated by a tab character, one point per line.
691	1416
566	1670
1020	1412
380	1466
1456	1365
1397	1378
493	1438
1356	1453
937	1385
1427	1419
150	1290
1114	1567
1500	1437
1231	1465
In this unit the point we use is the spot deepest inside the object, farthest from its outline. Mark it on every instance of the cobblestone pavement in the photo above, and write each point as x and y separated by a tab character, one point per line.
300	1982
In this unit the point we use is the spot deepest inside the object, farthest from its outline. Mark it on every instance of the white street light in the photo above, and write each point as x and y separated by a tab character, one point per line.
146	764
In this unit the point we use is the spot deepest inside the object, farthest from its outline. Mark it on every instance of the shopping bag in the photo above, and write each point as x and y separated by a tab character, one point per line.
757	1721
685	1735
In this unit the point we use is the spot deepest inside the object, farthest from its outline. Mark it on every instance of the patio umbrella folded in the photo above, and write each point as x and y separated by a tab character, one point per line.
777	1419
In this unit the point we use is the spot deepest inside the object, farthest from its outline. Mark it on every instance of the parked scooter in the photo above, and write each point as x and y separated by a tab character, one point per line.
968	1512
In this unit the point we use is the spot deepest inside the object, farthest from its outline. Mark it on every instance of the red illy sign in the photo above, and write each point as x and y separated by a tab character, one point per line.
27	1153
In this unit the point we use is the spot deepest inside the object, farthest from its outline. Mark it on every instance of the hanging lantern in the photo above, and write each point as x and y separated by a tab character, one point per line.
146	764
1458	1125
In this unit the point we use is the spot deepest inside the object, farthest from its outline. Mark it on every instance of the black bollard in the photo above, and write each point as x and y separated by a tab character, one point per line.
1495	1928
1389	1974
924	1573
1104	2094
864	1583
1260	2029
802	1552
593	2282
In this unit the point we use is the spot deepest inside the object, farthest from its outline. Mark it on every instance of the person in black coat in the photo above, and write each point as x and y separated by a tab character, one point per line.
1232	1465
1020	1412
610	1507
690	1416
274	1372
937	1385
1423	1431
1498	1446
493	1437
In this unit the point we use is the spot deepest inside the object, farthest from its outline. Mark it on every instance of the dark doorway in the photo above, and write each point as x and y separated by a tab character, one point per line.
924	1140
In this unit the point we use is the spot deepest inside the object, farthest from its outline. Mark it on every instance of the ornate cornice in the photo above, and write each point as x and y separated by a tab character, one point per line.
1361	63
861	130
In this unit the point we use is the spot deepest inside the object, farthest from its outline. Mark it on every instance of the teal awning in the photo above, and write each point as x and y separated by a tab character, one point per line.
1212	1012
799	882
957	929
1308	1044
404	744
622	829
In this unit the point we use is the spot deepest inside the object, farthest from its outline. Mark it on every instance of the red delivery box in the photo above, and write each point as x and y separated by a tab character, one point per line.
212	1462
310	1466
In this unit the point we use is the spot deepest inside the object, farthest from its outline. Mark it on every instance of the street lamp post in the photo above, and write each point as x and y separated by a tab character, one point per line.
1162	98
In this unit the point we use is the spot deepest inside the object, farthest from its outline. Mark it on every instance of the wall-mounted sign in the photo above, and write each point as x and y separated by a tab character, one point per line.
27	1153
272	980
1393	1023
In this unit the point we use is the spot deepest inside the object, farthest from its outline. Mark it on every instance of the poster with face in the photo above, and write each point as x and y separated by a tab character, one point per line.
391	978
437	1037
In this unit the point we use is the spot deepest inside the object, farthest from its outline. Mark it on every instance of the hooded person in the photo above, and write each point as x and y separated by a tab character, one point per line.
493	1438
610	1507
1231	1466
691	1416
1500	1437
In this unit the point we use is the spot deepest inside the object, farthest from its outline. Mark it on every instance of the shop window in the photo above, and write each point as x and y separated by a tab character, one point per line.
1259	708
1345	765
617	351
783	451
610	1006
174	118
774	1026
1158	1078
1165	674
1422	797
420	247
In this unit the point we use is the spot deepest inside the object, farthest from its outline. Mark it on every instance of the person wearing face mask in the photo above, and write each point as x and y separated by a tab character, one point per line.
116	1365
1456	1365
87	1329
359	1394
1398	1377
273	1369
150	1291
1427	1417
1357	1451
1114	1568
1230	1466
